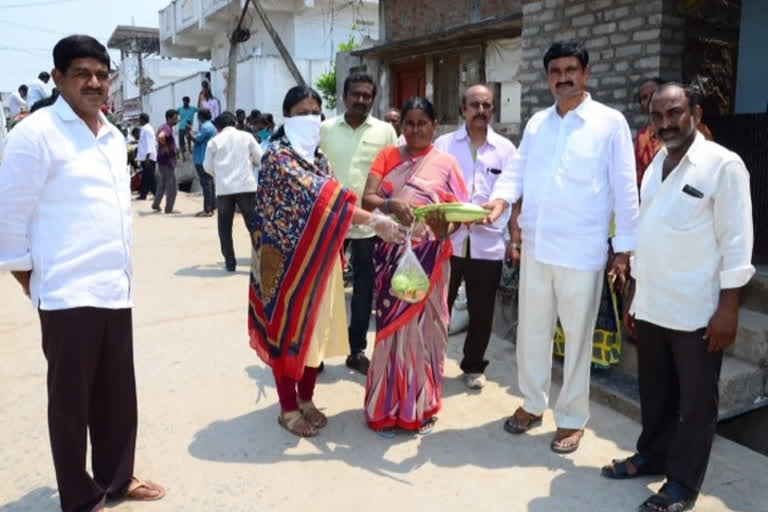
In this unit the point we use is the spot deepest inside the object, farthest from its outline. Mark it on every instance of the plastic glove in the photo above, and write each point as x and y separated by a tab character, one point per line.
387	229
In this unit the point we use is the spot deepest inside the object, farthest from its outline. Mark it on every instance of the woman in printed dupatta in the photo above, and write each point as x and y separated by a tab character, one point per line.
296	314
404	382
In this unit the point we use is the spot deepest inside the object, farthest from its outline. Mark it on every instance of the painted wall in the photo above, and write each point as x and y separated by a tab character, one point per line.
161	71
751	90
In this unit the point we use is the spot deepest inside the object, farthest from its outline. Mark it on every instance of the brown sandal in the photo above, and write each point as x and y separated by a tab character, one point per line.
522	421
143	490
295	423
312	414
566	440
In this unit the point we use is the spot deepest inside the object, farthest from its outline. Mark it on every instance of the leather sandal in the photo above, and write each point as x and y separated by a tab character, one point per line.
619	469
521	421
672	497
557	445
312	414
295	423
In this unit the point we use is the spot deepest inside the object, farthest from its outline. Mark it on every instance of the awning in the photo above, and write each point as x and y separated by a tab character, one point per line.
456	37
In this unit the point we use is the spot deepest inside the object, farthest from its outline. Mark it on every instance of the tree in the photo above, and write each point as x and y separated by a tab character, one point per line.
326	82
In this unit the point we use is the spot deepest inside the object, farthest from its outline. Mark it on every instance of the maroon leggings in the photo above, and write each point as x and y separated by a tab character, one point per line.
287	389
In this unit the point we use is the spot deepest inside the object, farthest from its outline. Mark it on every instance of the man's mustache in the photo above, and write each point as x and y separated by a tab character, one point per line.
565	83
668	132
359	106
480	116
91	91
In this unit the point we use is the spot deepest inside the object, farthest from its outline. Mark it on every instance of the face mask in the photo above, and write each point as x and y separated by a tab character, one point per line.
304	134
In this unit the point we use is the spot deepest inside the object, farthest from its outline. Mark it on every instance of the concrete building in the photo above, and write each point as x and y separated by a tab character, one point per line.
311	31
139	47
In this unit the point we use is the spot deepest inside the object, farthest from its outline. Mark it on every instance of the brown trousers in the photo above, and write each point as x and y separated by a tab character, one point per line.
91	388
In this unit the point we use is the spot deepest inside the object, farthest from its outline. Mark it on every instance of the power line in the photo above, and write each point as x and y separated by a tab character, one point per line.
37	4
38	29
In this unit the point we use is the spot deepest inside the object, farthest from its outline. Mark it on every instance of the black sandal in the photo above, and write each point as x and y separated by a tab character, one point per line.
672	497
618	469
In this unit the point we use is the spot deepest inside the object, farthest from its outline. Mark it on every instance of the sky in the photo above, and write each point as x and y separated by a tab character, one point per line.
30	29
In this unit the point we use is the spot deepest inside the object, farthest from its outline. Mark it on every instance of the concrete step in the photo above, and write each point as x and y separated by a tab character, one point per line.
743	385
755	295
752	338
751	345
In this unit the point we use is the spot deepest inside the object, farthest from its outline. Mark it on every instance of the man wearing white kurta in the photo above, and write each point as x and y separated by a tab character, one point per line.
574	170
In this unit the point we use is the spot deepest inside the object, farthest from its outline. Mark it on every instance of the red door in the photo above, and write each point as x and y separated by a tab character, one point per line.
409	79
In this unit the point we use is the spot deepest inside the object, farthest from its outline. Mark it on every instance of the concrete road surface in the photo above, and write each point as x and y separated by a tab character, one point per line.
208	415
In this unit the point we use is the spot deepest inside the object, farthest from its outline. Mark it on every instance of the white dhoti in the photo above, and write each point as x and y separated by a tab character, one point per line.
547	291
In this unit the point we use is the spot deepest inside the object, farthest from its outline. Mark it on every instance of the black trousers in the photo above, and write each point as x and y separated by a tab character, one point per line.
362	292
246	201
678	398
482	281
148	181
91	387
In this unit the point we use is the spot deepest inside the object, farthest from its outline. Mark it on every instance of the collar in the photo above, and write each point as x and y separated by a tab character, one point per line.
368	121
583	110
692	155
65	112
463	134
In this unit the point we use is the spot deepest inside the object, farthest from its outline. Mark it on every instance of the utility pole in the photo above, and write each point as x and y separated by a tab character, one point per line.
279	43
141	80
234	42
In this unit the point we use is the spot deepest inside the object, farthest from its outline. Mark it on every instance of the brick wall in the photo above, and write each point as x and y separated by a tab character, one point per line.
407	19
628	41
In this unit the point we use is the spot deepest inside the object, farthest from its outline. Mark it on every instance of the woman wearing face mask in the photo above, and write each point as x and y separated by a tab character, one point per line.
406	373
297	313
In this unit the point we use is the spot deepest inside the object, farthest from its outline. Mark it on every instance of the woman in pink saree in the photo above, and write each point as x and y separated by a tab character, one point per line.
404	384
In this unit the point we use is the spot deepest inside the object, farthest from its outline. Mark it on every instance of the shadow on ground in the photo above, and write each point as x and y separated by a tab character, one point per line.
40	499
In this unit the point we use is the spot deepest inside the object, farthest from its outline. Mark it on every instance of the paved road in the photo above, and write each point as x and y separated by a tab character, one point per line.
208	411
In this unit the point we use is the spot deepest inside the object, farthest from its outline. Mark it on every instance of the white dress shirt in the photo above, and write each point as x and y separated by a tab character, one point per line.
36	91
66	210
573	173
481	171
16	103
230	157
147	144
694	236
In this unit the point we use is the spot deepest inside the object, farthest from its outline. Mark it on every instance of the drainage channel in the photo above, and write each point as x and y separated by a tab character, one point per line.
749	429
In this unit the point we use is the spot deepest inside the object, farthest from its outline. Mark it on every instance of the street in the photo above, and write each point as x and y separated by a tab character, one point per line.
208	414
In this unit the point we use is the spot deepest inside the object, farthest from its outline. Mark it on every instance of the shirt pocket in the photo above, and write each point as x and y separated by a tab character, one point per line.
684	211
583	163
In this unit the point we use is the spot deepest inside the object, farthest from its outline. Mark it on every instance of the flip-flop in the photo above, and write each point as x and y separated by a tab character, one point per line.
559	437
521	422
137	484
428	426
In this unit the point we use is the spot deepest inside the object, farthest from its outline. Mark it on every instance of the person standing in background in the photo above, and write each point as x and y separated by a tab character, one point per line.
351	143
186	119
166	163
206	132
147	157
38	89
17	101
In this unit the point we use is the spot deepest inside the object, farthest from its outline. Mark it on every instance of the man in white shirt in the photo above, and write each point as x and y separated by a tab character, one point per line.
38	89
146	154
693	257
17	102
478	249
230	157
65	234
575	168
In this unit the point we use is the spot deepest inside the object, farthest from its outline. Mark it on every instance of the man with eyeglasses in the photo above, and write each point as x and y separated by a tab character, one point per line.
478	249
351	142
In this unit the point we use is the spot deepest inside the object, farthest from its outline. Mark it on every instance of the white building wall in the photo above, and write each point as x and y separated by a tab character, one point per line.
162	71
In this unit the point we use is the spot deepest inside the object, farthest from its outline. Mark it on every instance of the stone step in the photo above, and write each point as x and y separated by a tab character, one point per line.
755	295
743	385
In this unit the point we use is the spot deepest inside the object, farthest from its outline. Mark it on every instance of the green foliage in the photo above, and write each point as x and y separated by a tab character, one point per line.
326	83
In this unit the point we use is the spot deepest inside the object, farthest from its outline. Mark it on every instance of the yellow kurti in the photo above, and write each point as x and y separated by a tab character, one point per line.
330	337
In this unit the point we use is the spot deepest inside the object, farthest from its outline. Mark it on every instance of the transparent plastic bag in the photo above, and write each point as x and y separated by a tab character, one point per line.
410	283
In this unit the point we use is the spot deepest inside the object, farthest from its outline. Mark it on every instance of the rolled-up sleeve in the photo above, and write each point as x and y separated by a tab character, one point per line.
623	180
22	176
733	225
509	186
